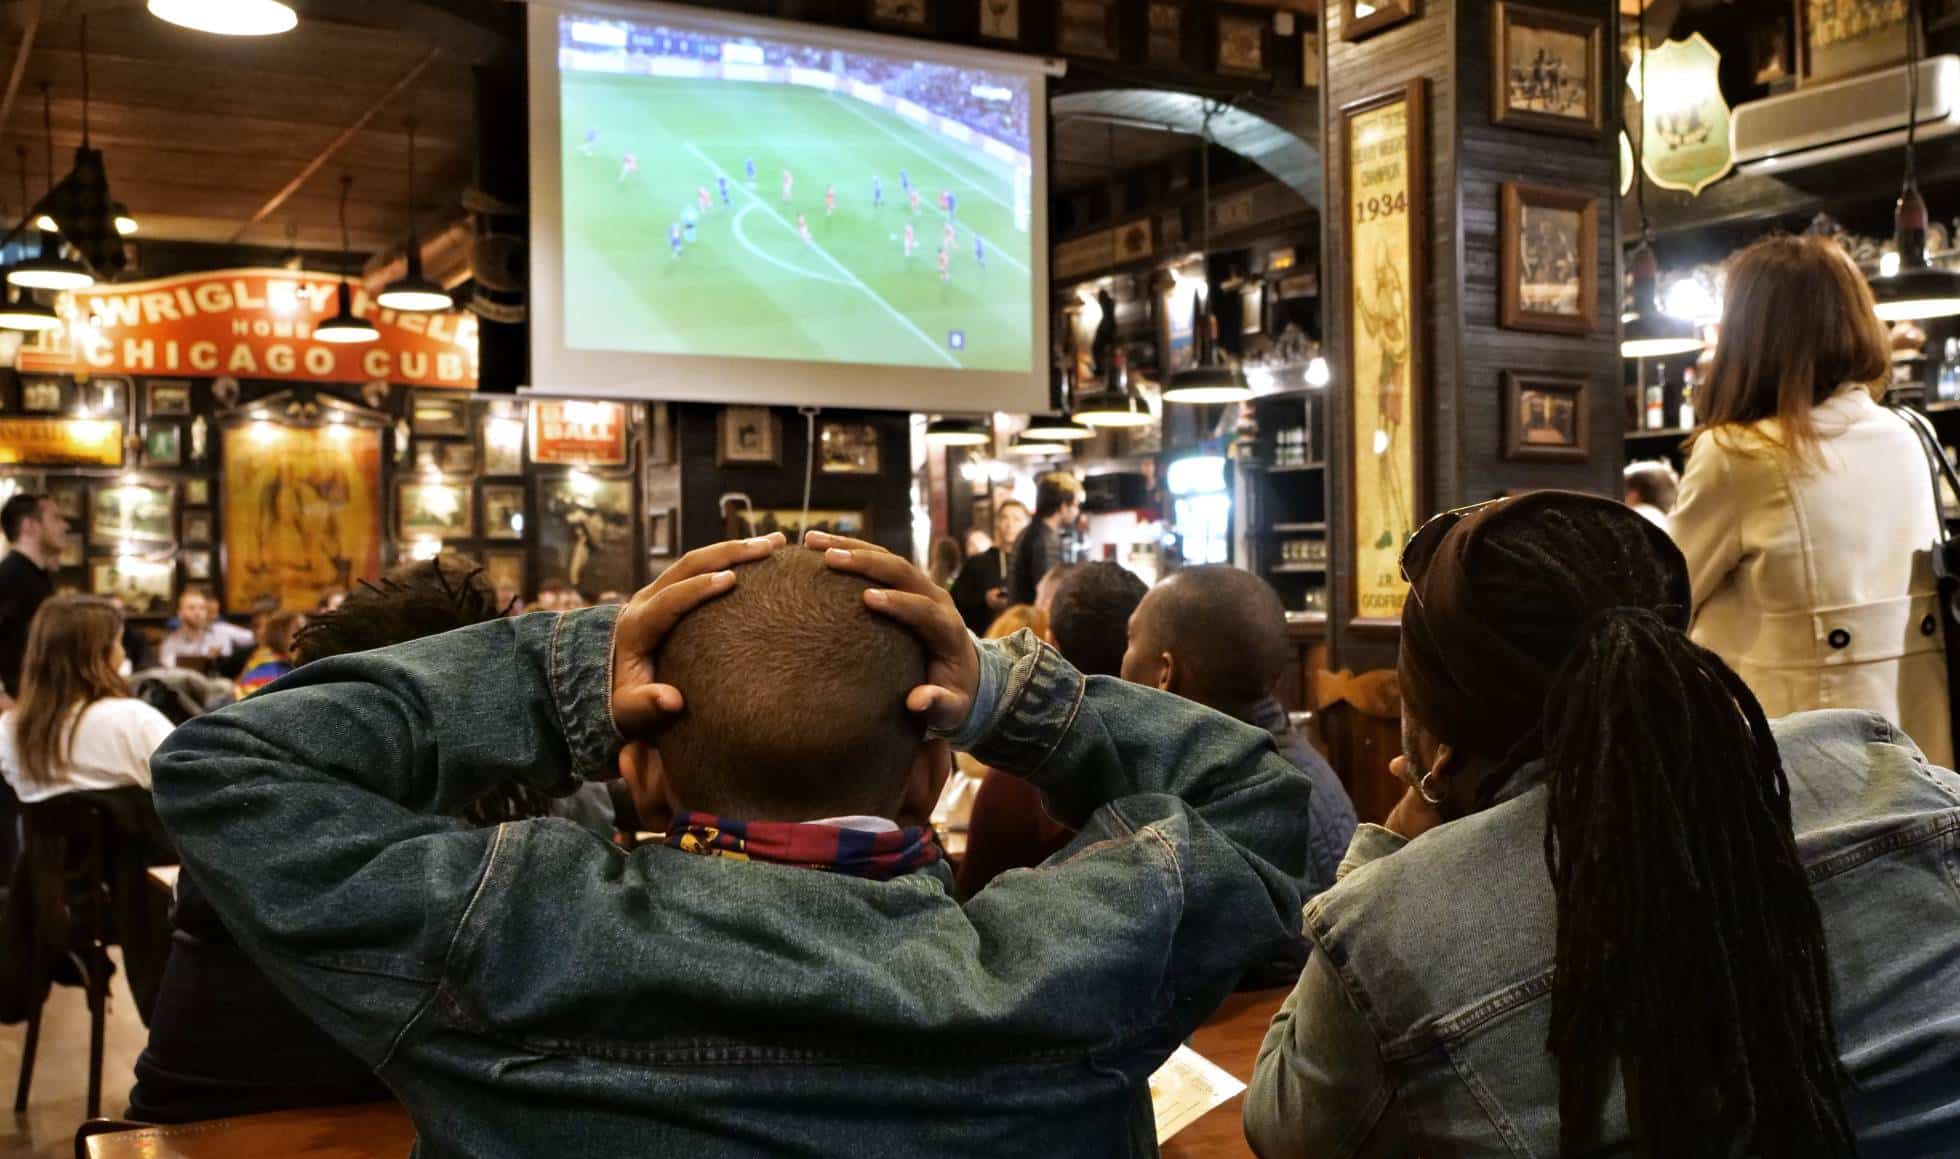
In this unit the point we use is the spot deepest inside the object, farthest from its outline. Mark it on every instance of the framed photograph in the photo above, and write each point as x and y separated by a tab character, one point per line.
435	414
500	444
1547	68
578	434
505	571
913	15
660	532
1840	38
749	437
1544	417
168	397
197	492
1769	46
1382	271
1549	250
41	395
1165	45
106	397
585	531
197	526
848	448
456	458
304	511
1242	44
197	564
763	520
1000	19
70	498
1086	28
163	443
1361	19
122	512
146	588
503	510
441	510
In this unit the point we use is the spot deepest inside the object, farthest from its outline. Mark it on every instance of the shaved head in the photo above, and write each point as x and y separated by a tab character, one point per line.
1213	634
795	697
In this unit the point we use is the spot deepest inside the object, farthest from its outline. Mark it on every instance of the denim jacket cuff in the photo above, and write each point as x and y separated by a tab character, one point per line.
1038	697
1371	842
581	686
986	699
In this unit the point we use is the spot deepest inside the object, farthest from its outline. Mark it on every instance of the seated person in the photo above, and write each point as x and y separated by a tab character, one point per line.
1652	487
1617	911
1009	828
1217	635
201	639
788	970
274	656
223	1040
953	813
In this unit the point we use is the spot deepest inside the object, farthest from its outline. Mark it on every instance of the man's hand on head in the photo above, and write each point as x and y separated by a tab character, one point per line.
908	595
639	703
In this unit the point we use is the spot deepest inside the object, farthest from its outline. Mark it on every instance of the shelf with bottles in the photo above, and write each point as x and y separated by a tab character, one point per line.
1300	554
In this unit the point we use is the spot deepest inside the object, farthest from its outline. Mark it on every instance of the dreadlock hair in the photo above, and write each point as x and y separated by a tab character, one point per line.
1690	955
424	598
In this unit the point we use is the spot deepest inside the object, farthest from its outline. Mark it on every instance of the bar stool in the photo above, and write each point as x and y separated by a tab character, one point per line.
65	861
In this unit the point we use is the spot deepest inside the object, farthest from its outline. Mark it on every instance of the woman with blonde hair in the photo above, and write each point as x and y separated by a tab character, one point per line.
75	727
1806	513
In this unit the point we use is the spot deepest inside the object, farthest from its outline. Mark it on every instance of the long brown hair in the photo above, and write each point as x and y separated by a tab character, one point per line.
1798	323
66	668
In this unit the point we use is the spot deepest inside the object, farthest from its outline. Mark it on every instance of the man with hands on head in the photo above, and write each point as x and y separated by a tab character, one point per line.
788	972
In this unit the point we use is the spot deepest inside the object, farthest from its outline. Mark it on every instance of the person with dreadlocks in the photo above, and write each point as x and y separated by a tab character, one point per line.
1617	911
223	1040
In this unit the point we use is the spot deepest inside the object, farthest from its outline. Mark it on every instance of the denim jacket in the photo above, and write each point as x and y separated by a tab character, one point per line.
534	990
1419	1025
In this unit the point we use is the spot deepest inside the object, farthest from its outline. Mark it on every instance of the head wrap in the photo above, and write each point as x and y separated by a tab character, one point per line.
1480	656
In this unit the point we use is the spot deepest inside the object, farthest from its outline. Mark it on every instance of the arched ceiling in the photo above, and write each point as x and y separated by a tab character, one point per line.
1286	153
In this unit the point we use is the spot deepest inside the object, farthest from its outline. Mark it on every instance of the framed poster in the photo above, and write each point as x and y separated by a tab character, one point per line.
441	414
456	458
197	526
1165	45
1546	68
1361	19
1242	44
163	443
585	531
578	434
1837	38
503	510
908	15
501	444
197	492
848	448
748	437
58	442
1548	275
41	395
752	521
1382	141
1000	19
1086	28
197	564
128	512
168	396
1544	417
145	587
301	511
438	510
70	497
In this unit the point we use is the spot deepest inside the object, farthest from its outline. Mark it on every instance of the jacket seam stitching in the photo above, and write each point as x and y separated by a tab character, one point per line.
1932	832
1068	722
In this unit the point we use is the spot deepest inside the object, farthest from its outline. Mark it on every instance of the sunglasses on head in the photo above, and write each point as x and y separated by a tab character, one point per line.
1421	548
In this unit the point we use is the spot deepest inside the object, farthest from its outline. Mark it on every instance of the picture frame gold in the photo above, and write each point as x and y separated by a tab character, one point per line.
1868	42
1383	272
1545	418
1361	19
1520	32
1243	44
1548	241
748	436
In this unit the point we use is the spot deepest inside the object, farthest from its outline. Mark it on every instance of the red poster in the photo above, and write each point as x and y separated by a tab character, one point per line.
247	324
587	434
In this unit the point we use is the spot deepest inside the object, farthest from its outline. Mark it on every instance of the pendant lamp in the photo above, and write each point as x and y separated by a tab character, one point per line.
345	326
48	270
228	17
1058	429
1024	445
1646	330
1916	289
21	311
943	432
1112	408
1214	379
412	292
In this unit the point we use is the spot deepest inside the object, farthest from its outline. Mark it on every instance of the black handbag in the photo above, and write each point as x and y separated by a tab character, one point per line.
1946	552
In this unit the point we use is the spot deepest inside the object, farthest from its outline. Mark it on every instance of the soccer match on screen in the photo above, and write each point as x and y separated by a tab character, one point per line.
739	197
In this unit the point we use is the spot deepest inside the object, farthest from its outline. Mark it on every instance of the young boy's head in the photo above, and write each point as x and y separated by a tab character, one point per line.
795	699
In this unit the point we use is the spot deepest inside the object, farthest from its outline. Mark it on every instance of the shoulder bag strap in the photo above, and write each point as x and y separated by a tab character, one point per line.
1940	467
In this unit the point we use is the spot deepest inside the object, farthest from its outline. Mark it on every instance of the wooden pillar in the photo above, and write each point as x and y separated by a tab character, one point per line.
1463	345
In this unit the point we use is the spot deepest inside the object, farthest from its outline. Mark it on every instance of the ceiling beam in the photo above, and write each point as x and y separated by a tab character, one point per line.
313	166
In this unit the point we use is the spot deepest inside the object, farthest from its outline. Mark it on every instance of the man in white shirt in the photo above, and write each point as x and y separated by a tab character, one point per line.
200	633
1651	489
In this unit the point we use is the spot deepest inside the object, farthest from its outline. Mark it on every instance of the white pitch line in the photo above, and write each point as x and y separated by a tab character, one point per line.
840	267
742	236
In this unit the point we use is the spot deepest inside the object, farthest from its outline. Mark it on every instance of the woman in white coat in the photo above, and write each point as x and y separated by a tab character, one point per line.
1807	512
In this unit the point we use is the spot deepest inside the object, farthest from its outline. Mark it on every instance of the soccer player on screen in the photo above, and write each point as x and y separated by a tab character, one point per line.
945	268
591	143
829	200
628	166
701	198
946	202
979	251
952	204
721	183
948	238
905	181
748	165
803	229
789	182
688	219
877	193
914	194
674	238
911	241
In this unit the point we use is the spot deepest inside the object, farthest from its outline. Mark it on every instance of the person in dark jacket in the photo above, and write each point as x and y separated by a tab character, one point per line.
37	532
1057	501
980	591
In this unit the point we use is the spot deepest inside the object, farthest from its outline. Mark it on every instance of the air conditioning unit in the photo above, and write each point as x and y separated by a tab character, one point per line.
1847	118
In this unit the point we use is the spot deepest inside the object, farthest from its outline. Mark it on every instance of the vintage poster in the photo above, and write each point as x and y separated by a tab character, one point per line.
589	434
1383	137
585	532
61	442
302	511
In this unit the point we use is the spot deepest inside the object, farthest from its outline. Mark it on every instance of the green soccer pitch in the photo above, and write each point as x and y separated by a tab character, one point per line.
749	285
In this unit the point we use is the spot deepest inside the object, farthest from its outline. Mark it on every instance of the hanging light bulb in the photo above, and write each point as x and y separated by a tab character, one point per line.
228	17
944	432
345	326
1317	373
1057	429
21	311
1647	330
48	270
1215	379
412	292
1112	409
125	224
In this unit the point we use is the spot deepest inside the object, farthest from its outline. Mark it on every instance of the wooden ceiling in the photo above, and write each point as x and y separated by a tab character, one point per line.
221	139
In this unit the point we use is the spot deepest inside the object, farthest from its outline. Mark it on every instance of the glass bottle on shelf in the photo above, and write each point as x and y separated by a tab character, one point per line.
1657	401
1687	422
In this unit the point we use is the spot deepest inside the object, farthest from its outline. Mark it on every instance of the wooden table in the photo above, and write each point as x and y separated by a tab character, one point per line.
372	1131
1231	1039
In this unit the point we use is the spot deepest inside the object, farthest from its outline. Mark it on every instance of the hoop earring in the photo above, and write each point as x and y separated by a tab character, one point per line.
1423	788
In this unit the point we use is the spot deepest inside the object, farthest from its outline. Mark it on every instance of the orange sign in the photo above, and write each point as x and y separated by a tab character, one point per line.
61	442
247	324
587	434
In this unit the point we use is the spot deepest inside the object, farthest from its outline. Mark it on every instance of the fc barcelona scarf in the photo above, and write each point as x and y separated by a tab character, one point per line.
852	852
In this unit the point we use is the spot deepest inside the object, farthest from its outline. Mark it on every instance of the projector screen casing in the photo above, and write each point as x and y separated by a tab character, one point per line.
557	368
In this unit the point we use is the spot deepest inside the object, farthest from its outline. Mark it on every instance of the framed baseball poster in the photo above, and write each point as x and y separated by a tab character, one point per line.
1381	151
